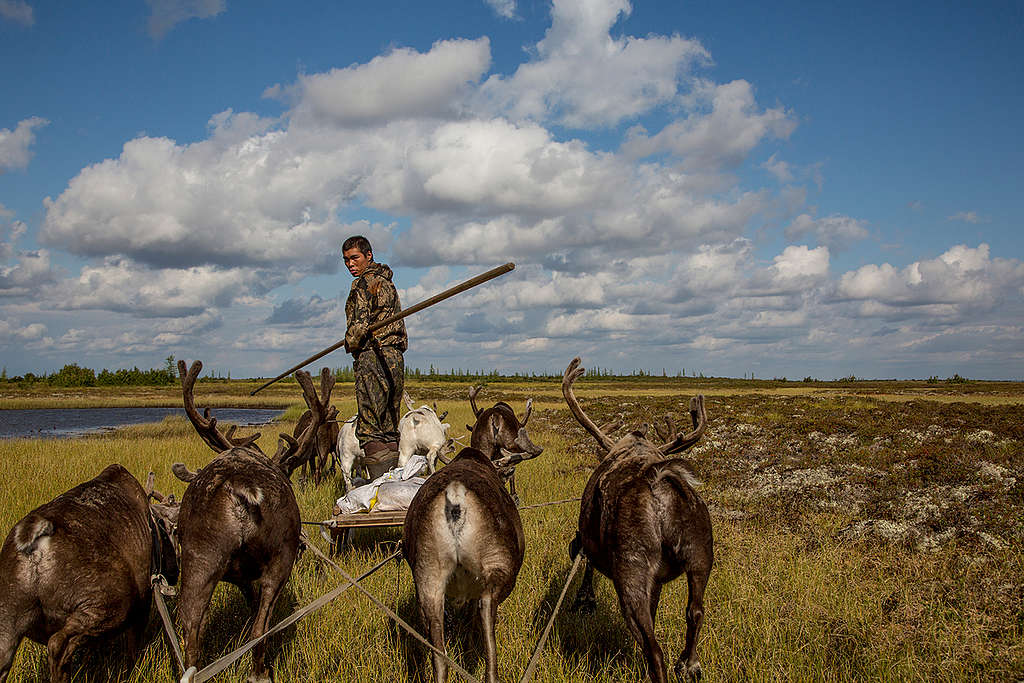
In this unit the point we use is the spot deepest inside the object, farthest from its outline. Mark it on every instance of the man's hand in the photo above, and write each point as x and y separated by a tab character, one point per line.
356	337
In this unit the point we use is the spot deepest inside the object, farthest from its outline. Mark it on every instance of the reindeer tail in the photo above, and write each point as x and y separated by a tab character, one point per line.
29	531
455	506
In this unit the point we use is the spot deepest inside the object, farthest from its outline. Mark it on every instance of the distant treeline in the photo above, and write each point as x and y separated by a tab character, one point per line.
462	375
72	375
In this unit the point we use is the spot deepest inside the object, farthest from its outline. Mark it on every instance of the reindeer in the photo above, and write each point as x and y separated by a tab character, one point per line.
499	434
78	567
642	524
422	430
327	437
349	451
463	538
239	520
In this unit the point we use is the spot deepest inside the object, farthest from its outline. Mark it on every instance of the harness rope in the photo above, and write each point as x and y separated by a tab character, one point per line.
218	666
159	587
397	619
227	660
535	659
329	524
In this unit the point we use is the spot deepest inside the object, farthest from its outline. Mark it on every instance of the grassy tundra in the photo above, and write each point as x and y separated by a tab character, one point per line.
862	531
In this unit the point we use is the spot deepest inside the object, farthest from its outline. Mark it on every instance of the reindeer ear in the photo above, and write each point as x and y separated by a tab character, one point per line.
182	472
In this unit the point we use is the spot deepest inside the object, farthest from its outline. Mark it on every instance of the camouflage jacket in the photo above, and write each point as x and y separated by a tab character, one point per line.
372	298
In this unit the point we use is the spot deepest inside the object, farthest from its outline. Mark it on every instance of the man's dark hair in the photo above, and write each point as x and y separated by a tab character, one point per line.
357	242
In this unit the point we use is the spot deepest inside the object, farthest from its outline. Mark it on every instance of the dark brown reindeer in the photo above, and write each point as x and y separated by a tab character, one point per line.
239	520
642	524
326	446
500	436
463	538
78	568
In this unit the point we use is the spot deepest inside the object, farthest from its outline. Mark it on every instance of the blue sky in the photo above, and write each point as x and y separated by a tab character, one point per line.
786	190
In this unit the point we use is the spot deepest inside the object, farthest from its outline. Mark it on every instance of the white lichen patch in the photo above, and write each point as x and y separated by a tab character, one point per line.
981	436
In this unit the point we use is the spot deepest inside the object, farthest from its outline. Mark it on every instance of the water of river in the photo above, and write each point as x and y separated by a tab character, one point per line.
67	422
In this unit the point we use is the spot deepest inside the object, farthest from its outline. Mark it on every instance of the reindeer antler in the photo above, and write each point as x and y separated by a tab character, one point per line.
473	391
529	411
699	417
205	425
665	430
295	450
511	458
153	493
568	377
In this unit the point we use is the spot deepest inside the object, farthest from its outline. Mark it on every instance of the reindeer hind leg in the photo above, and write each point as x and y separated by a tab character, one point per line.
60	648
488	615
687	667
9	641
586	600
193	601
635	600
431	602
267	597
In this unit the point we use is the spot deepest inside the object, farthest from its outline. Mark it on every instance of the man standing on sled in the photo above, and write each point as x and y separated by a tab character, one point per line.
377	358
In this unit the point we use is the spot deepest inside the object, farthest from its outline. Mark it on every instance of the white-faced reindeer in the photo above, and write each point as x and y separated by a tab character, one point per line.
642	524
423	431
239	520
420	430
349	452
79	567
463	538
500	435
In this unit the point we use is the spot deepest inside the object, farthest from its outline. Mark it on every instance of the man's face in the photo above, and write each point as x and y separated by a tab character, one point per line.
356	261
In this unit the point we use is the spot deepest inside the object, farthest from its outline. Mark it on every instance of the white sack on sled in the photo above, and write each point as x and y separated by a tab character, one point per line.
396	495
362	499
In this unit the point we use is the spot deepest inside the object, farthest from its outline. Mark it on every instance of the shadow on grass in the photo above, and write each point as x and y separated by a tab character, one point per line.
370	539
229	620
598	639
99	659
228	624
463	638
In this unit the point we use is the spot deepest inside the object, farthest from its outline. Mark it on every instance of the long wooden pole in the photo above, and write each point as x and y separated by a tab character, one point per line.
426	303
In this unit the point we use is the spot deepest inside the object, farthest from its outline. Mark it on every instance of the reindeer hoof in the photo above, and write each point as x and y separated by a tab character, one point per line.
688	673
265	678
189	674
584	604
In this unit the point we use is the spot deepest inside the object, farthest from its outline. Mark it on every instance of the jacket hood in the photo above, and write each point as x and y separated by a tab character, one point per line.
378	269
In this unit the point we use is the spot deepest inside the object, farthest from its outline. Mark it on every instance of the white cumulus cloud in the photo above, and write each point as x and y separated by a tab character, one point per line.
123	286
720	139
836	232
166	14
582	76
15	152
17	11
401	84
961	280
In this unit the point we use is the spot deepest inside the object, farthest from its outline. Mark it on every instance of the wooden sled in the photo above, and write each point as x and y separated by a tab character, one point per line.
345	525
